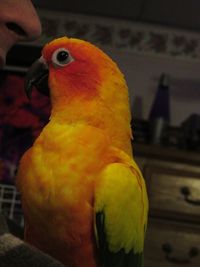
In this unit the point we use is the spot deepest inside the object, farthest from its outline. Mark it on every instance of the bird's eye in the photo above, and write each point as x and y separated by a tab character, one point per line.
61	57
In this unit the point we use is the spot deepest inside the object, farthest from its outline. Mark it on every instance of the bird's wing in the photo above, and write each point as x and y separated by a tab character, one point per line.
121	208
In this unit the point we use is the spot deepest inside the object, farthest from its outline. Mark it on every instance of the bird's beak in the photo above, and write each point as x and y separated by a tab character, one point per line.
37	76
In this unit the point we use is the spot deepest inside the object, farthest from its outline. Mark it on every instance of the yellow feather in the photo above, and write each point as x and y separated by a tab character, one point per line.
121	195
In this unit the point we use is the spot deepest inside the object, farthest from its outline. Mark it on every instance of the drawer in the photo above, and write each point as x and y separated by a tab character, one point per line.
170	244
173	193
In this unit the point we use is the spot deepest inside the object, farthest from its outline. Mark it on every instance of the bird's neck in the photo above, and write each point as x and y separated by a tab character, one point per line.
99	115
78	111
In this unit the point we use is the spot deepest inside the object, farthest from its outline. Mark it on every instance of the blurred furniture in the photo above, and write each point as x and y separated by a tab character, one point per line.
173	184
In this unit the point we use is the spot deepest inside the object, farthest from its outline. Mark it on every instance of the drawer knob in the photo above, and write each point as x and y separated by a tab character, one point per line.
185	191
168	250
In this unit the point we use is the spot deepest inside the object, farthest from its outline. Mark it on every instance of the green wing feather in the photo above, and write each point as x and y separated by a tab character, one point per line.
121	216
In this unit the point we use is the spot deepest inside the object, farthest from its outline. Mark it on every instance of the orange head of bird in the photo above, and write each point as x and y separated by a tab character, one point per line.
70	68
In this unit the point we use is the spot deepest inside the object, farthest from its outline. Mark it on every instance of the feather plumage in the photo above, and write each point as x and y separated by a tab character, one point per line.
83	196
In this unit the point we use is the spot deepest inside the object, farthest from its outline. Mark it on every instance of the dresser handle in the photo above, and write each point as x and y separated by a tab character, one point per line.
185	191
168	250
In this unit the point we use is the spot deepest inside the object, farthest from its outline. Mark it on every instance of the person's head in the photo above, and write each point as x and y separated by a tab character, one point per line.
18	22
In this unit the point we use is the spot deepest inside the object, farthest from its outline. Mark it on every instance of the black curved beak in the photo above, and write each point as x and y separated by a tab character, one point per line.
37	76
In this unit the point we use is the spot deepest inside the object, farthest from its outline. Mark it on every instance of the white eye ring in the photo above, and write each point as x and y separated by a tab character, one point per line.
61	57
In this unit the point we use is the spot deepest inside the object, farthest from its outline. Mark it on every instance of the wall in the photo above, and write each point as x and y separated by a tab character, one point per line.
143	52
142	73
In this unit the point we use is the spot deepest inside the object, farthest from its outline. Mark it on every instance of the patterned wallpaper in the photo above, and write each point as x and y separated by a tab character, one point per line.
121	34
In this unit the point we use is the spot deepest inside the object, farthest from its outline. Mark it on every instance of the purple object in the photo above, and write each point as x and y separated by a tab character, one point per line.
161	103
160	112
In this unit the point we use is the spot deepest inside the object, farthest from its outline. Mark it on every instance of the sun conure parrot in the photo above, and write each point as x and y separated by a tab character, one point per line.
83	195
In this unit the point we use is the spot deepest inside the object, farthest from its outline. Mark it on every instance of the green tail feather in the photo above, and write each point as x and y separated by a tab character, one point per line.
110	259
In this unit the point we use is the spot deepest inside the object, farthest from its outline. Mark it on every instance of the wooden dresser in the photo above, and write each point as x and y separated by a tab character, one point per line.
173	184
